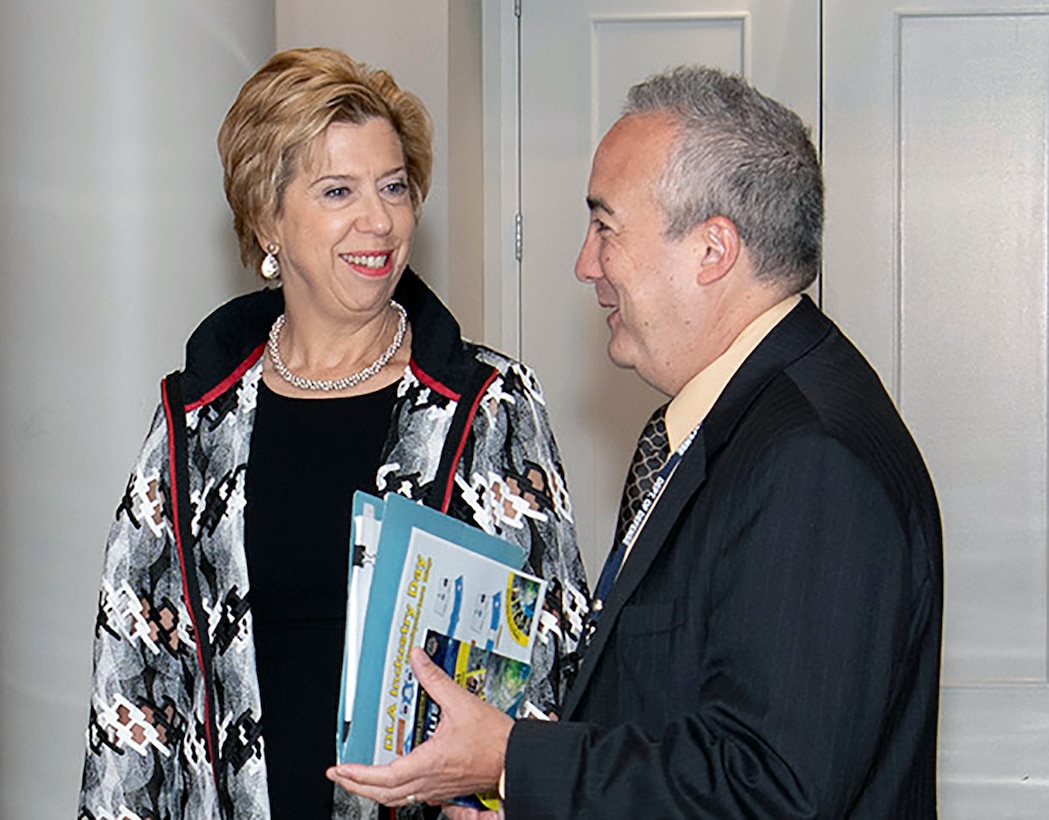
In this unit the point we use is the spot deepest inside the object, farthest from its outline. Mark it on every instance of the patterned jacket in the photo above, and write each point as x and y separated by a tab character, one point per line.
175	727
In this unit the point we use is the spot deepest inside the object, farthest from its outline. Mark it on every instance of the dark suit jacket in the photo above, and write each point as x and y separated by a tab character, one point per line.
771	647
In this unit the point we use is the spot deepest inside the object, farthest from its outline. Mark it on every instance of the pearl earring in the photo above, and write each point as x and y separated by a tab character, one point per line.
270	267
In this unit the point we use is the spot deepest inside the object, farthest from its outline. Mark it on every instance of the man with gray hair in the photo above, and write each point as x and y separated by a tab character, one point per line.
766	632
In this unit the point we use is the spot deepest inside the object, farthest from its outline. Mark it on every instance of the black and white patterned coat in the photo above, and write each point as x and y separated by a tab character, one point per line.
175	727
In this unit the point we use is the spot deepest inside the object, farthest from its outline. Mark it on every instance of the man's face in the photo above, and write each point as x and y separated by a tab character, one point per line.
639	275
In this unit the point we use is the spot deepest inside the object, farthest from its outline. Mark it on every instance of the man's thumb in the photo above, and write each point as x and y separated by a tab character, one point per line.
432	678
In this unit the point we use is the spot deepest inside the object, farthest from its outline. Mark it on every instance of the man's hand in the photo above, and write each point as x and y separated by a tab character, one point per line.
465	755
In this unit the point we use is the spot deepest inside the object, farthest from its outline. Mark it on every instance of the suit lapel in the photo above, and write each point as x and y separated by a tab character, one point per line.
687	480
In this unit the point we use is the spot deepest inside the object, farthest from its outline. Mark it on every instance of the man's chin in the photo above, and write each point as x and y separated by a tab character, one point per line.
624	360
618	356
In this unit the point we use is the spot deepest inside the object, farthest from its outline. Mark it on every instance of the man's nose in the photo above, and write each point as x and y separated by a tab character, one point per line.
587	267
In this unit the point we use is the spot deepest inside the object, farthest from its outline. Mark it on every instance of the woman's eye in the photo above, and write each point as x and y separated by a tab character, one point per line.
337	193
396	188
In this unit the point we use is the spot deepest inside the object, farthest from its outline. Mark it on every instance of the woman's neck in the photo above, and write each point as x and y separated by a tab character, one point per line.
352	357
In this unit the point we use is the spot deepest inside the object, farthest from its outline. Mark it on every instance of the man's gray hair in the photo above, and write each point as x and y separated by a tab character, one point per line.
742	156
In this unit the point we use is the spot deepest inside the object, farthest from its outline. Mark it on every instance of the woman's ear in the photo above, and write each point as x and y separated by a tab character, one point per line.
719	247
266	237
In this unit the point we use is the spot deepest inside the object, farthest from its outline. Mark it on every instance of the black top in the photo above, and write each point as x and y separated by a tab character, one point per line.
307	458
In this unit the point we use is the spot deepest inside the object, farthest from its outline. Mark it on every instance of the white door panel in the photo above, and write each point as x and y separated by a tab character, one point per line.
972	319
993	753
934	147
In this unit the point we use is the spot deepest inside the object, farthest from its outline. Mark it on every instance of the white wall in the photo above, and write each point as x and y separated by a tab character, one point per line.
114	241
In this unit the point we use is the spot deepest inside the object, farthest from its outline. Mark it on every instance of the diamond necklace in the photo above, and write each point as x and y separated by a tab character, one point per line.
335	384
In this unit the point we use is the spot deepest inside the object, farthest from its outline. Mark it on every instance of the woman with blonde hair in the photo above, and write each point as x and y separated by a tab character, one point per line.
219	637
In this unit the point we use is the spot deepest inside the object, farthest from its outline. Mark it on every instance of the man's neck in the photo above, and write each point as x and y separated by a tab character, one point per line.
734	308
695	398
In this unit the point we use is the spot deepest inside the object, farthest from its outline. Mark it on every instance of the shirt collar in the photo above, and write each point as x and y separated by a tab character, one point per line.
692	403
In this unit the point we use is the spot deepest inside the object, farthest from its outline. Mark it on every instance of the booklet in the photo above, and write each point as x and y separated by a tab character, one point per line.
421	578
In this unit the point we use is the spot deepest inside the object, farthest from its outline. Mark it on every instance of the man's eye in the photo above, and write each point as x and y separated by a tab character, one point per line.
599	226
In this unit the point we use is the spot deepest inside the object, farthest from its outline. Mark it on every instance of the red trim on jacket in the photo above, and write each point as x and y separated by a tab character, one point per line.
432	383
462	441
227	382
197	634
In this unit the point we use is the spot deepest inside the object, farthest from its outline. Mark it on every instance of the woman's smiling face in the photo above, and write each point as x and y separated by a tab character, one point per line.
346	222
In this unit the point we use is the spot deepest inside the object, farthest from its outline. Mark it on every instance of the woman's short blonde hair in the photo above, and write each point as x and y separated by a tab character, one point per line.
284	107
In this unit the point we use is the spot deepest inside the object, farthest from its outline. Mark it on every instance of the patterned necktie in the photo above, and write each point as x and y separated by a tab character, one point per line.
649	458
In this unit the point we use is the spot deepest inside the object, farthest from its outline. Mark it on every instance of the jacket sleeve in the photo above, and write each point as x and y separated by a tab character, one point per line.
809	616
141	734
511	482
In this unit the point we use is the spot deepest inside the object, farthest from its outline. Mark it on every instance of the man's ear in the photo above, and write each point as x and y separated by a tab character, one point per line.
719	248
